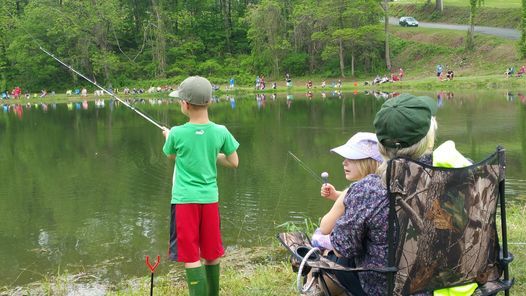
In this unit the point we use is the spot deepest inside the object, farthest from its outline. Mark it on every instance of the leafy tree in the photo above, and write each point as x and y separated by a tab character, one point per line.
349	30
118	41
266	33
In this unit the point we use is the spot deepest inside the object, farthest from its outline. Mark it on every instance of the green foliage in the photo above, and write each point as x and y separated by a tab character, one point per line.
120	41
307	226
296	63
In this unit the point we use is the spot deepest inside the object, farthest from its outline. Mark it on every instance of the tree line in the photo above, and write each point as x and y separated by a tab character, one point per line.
117	42
120	42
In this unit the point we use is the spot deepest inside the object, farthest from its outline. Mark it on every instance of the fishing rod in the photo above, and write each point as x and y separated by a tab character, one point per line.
89	80
103	89
308	169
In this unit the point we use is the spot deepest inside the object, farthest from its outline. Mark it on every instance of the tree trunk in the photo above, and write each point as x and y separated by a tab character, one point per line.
225	10
386	31
352	64
522	44
342	65
276	67
470	44
439	5
312	57
159	47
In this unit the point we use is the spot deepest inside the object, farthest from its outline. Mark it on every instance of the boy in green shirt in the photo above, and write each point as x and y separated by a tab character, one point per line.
197	147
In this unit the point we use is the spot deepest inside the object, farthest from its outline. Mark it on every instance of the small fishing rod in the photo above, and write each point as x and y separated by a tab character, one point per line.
103	89
307	168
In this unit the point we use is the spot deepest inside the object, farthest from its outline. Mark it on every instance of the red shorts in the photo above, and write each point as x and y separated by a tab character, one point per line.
198	233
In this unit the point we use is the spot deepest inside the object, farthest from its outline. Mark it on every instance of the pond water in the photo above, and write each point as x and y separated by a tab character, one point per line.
86	187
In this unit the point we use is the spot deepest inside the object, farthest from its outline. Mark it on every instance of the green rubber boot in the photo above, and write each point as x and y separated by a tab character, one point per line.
212	276
196	279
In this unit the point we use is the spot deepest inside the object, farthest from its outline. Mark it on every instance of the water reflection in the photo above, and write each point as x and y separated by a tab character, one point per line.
96	194
520	96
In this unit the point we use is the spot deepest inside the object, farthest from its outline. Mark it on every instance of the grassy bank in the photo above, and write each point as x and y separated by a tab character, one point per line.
257	271
416	50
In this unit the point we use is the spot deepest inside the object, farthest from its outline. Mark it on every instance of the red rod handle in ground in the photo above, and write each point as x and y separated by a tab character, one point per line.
152	269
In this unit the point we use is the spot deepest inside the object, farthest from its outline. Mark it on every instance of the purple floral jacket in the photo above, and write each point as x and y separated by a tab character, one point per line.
361	233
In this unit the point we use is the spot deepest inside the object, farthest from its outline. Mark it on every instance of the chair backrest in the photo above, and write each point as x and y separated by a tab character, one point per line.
445	225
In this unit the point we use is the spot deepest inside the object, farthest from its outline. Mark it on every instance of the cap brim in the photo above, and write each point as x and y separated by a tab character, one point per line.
174	94
349	153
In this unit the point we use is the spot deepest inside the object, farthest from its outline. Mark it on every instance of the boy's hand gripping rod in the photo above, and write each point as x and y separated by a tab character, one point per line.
103	89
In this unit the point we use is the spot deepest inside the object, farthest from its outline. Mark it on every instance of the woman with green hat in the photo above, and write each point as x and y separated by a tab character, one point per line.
405	126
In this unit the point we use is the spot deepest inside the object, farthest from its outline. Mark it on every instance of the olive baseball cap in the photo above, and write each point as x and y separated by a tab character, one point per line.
196	90
404	120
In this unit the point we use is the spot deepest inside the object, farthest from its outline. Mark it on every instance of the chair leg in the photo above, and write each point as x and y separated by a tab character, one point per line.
323	286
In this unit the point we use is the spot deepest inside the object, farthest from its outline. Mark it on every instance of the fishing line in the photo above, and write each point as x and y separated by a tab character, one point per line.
281	188
89	80
307	168
103	89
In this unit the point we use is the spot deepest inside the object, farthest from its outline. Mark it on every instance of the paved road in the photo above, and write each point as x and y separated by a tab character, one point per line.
502	32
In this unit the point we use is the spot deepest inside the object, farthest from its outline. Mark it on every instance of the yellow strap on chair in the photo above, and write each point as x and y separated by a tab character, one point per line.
464	290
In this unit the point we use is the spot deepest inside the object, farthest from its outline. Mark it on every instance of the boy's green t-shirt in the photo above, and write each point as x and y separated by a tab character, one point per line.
196	147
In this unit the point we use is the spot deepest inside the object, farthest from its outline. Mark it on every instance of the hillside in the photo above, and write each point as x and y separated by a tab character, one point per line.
419	50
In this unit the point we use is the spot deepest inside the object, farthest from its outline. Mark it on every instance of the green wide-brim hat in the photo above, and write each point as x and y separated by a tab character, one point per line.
404	120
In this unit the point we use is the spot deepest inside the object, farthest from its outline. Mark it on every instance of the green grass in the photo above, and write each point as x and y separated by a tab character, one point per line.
256	271
465	3
517	238
268	279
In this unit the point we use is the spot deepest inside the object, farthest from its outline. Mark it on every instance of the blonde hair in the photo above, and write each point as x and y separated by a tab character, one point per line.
366	166
417	150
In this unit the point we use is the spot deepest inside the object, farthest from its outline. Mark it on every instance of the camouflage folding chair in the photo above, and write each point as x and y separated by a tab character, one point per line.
442	230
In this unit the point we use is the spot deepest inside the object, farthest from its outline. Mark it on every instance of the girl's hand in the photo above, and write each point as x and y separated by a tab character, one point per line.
328	191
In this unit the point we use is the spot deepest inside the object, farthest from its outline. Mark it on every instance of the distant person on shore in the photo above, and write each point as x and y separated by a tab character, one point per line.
288	80
521	72
401	73
232	82
450	74
439	71
262	82
509	72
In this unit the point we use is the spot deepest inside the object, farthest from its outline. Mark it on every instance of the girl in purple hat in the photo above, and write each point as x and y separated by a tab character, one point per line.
361	158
